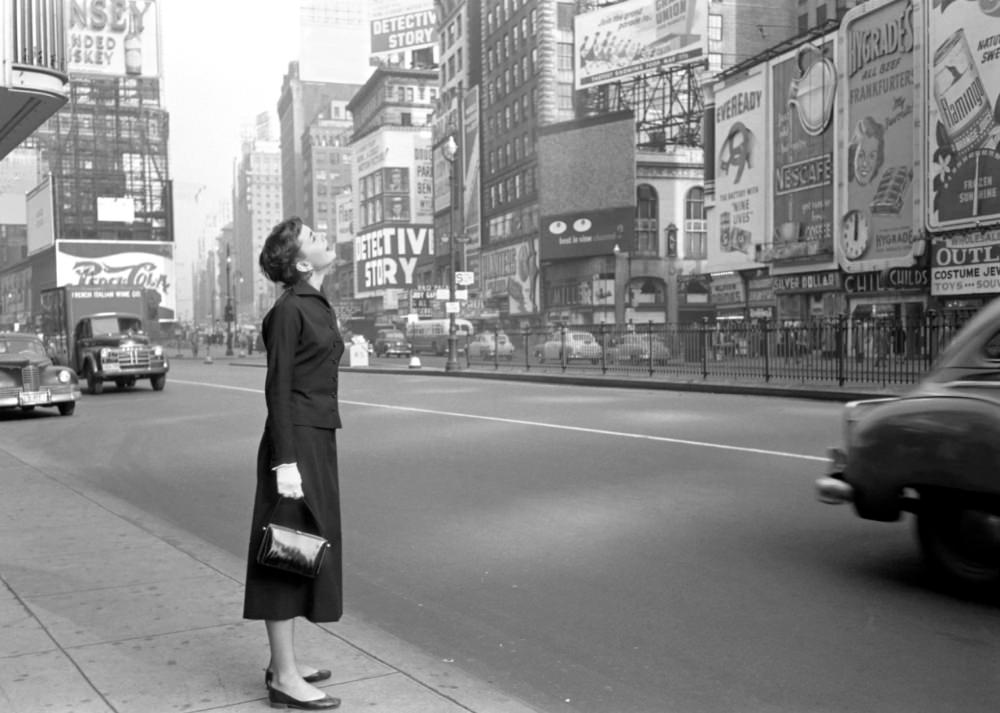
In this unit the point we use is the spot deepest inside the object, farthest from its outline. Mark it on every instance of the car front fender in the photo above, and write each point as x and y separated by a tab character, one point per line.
948	442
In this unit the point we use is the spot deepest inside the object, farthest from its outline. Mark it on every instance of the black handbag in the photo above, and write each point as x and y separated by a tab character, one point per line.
292	550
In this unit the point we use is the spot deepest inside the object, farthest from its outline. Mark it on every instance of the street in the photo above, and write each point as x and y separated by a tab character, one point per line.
588	550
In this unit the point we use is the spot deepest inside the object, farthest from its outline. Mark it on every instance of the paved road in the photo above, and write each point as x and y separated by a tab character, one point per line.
589	550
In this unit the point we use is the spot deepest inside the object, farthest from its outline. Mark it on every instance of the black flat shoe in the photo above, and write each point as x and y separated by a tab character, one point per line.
320	675
277	699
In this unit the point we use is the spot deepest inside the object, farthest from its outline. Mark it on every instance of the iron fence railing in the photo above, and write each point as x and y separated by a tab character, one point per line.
836	350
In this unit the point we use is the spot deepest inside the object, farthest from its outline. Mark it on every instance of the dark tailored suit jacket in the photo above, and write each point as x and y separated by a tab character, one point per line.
303	356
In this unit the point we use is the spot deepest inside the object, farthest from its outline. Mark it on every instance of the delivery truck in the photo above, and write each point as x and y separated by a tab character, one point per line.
104	333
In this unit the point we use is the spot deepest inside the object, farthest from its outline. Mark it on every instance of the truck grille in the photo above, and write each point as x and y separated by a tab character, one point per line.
133	358
31	378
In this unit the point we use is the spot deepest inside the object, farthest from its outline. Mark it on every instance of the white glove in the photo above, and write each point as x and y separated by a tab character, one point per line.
289	481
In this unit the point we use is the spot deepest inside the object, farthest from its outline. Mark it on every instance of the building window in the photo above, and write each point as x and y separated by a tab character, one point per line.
820	15
715	61
458	25
803	22
695	227
646	212
715	28
406	119
564	57
564	97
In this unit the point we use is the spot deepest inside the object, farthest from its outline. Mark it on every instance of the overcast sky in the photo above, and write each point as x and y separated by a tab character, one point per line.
223	61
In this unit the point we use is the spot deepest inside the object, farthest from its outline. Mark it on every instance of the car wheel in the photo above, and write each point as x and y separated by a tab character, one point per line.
158	382
960	540
94	383
66	408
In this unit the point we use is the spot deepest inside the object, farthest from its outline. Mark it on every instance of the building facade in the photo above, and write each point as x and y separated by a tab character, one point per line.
301	101
256	209
392	189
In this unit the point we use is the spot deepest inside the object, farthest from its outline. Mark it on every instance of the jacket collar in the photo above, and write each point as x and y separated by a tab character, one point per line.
302	288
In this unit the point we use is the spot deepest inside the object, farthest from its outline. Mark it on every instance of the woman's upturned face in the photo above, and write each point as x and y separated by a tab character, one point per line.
314	248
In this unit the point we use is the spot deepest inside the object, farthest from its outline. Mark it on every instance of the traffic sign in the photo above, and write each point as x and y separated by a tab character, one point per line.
465	279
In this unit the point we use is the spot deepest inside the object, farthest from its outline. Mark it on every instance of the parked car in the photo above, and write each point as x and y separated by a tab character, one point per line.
637	349
488	345
579	345
28	378
392	342
933	452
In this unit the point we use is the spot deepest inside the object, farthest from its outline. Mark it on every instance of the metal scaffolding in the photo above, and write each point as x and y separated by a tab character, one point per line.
668	105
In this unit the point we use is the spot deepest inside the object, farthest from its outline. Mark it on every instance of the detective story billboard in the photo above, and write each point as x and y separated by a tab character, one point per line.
114	37
740	215
127	264
876	100
963	113
803	86
406	31
637	36
386	258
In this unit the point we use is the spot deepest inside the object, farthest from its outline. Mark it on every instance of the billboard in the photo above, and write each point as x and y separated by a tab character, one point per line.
120	264
511	274
470	154
803	92
114	38
635	37
876	126
393	178
409	31
966	263
41	211
739	220
962	105
583	207
387	257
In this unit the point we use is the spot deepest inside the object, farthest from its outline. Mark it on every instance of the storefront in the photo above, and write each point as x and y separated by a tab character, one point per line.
965	271
891	304
580	291
760	296
729	296
900	293
807	296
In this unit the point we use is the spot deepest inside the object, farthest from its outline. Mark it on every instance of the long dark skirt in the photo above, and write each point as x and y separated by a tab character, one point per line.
273	594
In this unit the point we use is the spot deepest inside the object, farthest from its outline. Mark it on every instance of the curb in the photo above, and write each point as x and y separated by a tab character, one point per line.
812	393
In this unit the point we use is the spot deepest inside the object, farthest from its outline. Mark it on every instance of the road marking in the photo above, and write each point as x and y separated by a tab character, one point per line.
541	424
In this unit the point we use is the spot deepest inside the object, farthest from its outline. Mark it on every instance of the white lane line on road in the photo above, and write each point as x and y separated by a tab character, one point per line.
541	424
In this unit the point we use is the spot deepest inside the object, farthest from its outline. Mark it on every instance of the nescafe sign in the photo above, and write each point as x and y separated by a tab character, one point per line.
893	280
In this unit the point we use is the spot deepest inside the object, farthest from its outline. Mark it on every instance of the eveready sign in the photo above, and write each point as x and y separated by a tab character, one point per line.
388	257
404	32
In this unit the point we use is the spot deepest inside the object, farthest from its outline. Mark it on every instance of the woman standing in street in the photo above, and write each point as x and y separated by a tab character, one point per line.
297	458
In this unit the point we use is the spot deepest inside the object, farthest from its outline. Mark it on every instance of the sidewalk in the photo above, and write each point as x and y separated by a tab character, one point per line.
104	609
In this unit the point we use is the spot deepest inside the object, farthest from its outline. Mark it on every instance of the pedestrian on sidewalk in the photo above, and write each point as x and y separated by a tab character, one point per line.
297	458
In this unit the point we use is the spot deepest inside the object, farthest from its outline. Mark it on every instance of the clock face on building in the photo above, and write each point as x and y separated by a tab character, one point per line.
854	235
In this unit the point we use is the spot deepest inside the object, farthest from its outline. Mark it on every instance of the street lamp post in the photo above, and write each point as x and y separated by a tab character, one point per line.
450	151
229	304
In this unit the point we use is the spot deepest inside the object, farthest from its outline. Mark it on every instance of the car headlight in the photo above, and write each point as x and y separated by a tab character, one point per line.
105	353
157	351
64	376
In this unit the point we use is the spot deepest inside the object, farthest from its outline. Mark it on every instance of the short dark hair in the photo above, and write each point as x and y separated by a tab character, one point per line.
281	251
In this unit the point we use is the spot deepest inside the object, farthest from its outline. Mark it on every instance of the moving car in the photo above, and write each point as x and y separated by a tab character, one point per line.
637	349
28	378
488	345
579	345
934	452
391	342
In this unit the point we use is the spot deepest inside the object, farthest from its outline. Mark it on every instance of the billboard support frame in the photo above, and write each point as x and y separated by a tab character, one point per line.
668	105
